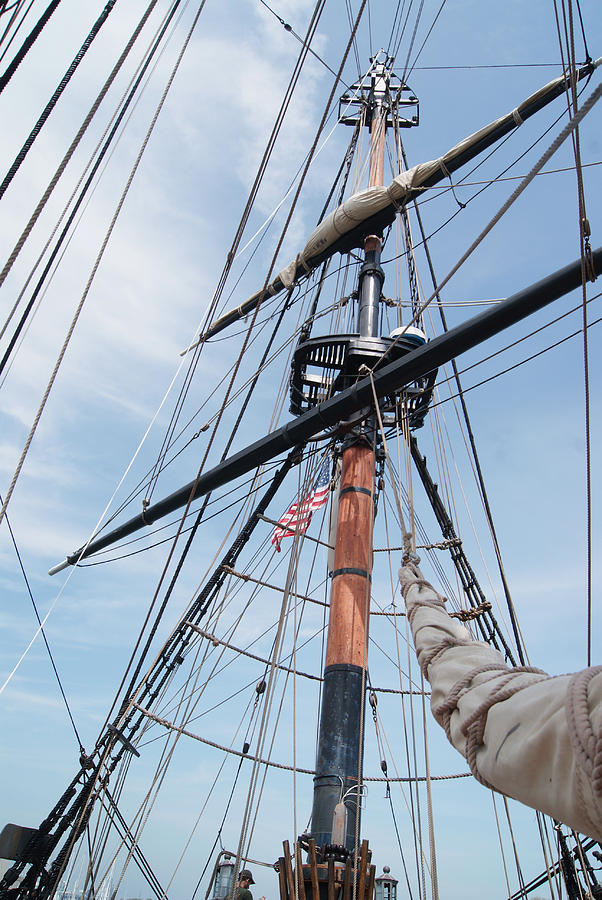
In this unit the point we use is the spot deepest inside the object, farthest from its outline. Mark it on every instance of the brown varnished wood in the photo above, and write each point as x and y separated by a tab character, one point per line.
371	883
361	884
377	148
331	891
314	869
347	885
348	631
288	869
282	879
299	871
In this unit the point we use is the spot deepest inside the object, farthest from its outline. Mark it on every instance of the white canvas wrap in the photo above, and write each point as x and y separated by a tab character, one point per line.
370	201
531	736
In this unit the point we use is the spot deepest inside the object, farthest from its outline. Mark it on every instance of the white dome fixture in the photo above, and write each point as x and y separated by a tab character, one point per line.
410	333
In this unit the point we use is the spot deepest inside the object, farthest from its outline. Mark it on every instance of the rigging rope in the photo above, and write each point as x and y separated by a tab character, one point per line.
429	802
97	262
483	490
587	273
428	34
17	6
269	763
73	146
522	362
241	760
55	97
384	768
566	132
298	37
487	184
123	829
41	628
408	538
184	554
413	793
412	39
83	191
292	84
27	44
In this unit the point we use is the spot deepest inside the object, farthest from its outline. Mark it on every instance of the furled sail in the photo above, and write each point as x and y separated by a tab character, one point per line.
534	737
374	208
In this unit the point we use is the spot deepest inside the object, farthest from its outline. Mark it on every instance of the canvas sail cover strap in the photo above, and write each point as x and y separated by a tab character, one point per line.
534	737
374	208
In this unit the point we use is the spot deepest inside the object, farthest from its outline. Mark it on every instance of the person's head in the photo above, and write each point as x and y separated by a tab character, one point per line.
245	878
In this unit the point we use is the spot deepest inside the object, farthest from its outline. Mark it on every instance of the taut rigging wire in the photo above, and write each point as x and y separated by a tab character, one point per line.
564	134
291	30
27	44
428	34
355	50
500	178
587	273
315	18
16	7
412	39
55	97
252	383
486	185
87	185
130	691
238	237
237	486
4	7
63	164
37	614
124	832
395	44
522	362
97	262
144	651
414	797
393	27
481	481
487	66
531	334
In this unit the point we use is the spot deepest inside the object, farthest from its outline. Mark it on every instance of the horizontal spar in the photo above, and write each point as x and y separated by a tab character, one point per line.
328	239
390	378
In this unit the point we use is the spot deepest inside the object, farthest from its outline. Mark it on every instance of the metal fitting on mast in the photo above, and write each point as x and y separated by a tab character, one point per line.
384	87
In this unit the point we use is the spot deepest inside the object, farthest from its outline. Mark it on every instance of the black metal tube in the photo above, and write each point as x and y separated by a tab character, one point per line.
370	288
390	378
339	752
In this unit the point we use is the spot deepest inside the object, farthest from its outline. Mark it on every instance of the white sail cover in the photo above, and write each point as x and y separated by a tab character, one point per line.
371	201
534	737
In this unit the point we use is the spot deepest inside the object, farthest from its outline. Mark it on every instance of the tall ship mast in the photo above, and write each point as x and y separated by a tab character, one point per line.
253	679
340	745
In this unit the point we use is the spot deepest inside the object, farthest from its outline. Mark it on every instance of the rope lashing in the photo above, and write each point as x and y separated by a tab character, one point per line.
466	615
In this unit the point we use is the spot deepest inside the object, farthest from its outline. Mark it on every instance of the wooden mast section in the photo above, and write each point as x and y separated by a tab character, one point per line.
340	746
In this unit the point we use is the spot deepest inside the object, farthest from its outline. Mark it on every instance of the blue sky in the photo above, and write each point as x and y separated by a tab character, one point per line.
149	295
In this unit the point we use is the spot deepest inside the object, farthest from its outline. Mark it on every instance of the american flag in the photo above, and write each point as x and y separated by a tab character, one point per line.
298	516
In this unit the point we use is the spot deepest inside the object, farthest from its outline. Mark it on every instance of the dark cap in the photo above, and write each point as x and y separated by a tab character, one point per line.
246	874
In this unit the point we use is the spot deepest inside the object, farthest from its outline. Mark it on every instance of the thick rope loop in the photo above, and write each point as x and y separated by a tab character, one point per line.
586	743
